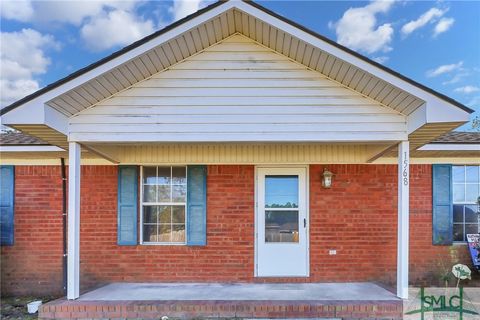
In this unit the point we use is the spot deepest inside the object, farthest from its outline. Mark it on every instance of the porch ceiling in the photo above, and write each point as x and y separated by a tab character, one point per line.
238	153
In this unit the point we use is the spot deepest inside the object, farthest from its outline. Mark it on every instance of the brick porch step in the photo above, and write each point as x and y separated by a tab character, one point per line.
195	309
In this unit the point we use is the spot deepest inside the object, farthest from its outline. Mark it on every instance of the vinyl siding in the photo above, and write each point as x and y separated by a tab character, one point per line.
237	91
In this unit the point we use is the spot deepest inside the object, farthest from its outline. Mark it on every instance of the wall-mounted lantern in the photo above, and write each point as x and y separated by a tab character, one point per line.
327	179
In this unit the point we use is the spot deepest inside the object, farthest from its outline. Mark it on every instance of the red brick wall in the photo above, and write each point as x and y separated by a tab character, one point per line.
357	217
34	263
227	257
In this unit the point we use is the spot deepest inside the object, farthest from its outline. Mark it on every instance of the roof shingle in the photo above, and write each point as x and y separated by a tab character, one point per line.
458	137
19	139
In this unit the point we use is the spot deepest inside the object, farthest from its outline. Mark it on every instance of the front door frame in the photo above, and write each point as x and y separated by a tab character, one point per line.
307	212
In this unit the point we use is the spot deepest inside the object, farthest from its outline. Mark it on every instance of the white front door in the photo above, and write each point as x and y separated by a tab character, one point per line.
282	222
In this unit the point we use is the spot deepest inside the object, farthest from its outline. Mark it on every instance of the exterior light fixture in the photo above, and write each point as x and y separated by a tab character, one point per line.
327	179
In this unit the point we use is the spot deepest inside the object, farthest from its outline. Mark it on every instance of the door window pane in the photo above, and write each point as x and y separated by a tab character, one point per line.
281	191
281	226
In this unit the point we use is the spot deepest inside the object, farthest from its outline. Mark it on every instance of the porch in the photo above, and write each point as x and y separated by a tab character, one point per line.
356	300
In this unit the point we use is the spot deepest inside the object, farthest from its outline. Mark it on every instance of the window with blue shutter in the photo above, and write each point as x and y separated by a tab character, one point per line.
442	205
127	205
7	199
163	203
196	205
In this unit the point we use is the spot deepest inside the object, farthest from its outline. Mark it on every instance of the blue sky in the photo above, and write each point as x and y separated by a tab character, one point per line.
436	43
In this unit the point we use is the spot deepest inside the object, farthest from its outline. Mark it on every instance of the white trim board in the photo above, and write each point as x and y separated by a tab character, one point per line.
31	148
450	147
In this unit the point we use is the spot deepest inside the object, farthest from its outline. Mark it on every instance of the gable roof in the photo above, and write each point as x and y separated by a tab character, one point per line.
207	9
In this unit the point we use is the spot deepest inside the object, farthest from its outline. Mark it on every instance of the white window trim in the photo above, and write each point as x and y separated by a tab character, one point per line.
141	204
464	203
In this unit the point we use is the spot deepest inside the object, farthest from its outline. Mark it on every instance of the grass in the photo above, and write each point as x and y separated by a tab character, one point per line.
16	307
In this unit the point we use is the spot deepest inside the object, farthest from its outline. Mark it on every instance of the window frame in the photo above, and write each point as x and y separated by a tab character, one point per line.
141	205
464	203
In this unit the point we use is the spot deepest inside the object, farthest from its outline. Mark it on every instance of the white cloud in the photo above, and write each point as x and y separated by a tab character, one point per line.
358	30
443	25
457	77
68	11
444	69
381	59
114	28
467	89
20	10
21	60
182	8
429	16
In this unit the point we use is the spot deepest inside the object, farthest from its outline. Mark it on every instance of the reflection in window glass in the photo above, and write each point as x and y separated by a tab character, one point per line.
281	191
458	173
163	205
281	226
466	191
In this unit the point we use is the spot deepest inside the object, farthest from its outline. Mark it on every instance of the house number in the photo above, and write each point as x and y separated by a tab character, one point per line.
405	169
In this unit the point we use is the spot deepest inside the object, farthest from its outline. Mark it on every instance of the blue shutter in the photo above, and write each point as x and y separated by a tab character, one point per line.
442	204
7	196
196	205
127	205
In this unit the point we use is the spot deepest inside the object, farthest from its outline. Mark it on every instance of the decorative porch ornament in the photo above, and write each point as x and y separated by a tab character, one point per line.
327	178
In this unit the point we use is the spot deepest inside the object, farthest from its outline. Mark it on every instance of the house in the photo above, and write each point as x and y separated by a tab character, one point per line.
205	152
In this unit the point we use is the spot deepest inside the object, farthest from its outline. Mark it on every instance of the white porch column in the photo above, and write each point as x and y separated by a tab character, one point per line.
403	218
73	261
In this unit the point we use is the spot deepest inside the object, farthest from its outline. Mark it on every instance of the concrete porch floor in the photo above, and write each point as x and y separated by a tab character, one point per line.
240	291
222	300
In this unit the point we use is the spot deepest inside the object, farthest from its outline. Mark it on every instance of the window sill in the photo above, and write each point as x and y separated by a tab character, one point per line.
163	244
